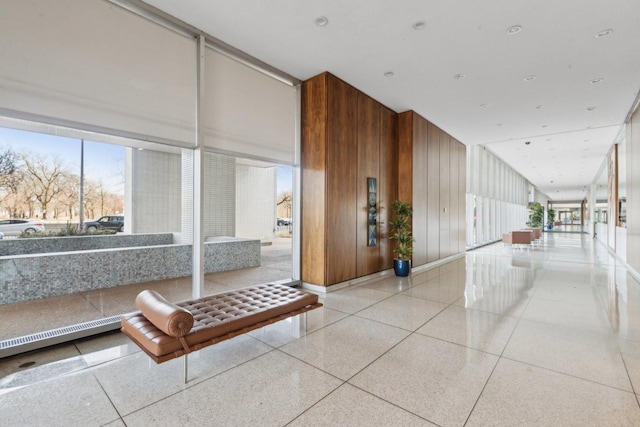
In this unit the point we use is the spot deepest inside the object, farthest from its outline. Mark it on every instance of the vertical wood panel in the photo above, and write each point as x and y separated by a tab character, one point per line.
454	152
388	183
314	121
433	193
405	156
445	189
341	181
368	148
462	197
420	202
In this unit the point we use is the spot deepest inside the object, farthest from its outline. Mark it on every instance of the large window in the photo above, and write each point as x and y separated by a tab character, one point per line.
497	198
137	197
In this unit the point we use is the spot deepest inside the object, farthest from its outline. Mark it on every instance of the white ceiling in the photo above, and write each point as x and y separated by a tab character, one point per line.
364	39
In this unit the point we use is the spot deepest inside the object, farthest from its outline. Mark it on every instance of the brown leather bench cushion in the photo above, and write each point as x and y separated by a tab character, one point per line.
218	315
169	318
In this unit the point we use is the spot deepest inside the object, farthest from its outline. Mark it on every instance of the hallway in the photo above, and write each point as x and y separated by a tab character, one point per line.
546	336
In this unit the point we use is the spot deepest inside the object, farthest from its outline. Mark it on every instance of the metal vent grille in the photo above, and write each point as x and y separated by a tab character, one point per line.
43	339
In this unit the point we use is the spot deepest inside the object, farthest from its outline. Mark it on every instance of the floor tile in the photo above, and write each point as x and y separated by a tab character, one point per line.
271	390
345	347
402	311
353	299
582	353
392	284
288	330
136	381
437	290
350	406
30	317
523	395
436	380
588	316
72	400
115	343
471	328
37	358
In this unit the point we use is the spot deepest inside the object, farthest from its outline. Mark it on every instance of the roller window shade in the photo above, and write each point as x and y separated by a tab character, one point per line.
92	65
246	112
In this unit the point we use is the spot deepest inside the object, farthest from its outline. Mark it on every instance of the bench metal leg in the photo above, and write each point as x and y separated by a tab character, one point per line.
186	367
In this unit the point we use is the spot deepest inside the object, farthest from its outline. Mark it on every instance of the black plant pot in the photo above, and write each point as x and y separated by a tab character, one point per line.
402	267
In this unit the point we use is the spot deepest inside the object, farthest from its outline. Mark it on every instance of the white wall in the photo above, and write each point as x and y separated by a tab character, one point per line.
255	201
155	192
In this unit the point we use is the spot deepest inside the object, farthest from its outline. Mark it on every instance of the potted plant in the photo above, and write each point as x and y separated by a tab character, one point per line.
536	212
401	228
551	216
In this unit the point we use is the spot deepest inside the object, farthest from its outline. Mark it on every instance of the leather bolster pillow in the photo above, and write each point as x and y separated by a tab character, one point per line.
171	319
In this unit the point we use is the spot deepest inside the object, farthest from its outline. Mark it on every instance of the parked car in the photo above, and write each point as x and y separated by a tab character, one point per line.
107	222
15	227
284	221
1	236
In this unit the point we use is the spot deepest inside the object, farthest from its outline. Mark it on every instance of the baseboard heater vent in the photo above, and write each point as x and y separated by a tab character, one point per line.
43	339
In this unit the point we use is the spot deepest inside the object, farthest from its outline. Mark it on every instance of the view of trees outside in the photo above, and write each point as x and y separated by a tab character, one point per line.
40	177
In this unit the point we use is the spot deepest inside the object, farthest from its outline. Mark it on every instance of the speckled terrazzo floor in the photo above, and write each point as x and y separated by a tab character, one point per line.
549	336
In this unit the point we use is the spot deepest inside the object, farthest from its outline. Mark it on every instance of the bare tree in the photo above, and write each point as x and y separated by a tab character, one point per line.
43	178
8	168
69	193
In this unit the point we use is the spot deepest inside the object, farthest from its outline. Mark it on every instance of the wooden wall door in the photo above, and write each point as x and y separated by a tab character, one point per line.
341	195
433	193
445	194
388	182
368	166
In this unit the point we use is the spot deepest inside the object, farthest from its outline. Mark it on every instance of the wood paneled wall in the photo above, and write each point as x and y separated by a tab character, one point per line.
437	191
347	137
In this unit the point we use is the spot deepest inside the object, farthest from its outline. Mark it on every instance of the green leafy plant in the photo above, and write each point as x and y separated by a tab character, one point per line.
536	215
401	228
551	216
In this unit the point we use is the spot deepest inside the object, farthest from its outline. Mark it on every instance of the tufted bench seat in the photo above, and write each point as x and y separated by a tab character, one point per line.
166	331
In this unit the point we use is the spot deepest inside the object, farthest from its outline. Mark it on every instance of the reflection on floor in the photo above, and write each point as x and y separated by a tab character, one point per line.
501	337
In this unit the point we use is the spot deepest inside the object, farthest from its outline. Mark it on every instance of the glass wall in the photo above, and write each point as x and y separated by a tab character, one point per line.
497	197
139	195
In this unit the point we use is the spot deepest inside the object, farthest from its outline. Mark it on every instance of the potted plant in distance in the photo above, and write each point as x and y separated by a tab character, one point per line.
401	229
551	216
536	212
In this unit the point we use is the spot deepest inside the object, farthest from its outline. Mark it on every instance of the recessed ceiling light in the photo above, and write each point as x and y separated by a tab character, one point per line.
591	108
598	80
388	74
529	78
514	29
321	21
420	25
498	124
484	105
459	76
604	33
140	149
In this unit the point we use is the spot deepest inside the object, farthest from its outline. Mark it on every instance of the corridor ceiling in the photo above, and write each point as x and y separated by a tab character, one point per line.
561	75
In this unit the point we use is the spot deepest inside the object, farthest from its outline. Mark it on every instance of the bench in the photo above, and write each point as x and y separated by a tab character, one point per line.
520	238
166	331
